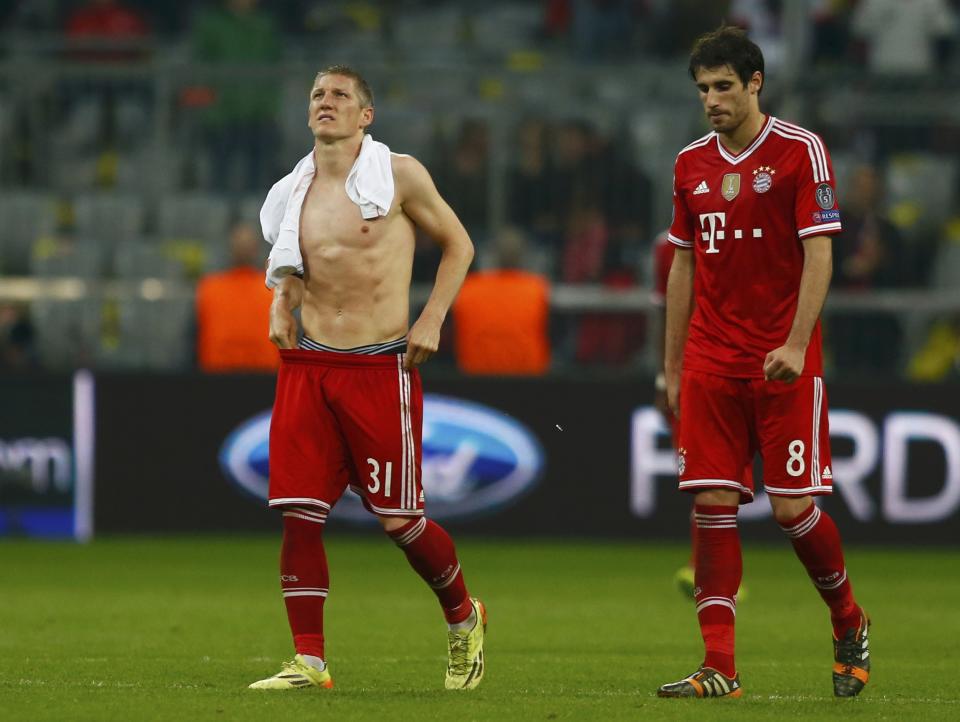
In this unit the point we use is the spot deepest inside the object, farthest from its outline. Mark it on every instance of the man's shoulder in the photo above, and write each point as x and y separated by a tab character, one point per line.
801	148
797	135
405	164
409	174
699	146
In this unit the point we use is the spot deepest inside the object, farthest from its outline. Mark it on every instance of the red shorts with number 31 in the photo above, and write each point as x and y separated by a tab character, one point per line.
344	420
726	421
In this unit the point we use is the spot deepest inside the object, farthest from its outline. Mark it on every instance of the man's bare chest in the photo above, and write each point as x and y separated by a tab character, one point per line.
330	220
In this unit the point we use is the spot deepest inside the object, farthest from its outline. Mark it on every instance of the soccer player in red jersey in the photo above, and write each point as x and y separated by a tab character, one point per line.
349	404
663	251
754	209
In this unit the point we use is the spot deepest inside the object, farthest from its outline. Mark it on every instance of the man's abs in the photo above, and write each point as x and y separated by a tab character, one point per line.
356	271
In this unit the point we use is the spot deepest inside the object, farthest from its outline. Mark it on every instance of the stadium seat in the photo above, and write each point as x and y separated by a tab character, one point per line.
113	218
193	216
925	180
25	218
61	258
147	260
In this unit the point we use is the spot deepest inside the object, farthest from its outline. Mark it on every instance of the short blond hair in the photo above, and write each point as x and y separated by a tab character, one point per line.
363	88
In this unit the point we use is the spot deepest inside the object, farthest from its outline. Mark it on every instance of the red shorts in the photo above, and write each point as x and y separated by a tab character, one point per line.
346	420
728	420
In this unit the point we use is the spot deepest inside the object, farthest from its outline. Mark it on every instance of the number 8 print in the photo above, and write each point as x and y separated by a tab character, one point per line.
795	465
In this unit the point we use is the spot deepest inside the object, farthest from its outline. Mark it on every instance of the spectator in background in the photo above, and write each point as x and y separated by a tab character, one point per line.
600	235
677	23
531	202
578	180
240	121
103	114
463	177
233	311
501	316
831	30
902	36
597	29
626	199
762	19
869	254
605	200
105	22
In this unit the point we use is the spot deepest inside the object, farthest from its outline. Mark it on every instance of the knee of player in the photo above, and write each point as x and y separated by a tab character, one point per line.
393	523
788	508
717	497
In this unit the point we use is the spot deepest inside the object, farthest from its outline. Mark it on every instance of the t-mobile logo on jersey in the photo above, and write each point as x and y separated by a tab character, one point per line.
712	230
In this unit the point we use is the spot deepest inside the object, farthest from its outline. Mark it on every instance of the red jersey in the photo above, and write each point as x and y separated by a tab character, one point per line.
744	216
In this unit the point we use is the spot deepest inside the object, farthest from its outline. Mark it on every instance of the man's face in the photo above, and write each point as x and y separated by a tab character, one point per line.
726	100
334	111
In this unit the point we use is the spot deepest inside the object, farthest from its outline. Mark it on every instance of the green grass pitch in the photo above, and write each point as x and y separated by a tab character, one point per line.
174	629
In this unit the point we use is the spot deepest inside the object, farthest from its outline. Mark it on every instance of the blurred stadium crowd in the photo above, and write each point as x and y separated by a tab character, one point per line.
138	137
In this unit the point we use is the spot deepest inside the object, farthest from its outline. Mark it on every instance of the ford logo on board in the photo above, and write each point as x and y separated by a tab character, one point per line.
475	459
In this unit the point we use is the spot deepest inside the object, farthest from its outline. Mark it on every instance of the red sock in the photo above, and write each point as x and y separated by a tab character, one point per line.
431	553
719	568
692	563
304	577
817	543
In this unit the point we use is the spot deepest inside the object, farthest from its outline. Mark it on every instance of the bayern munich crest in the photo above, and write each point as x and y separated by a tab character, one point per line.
763	179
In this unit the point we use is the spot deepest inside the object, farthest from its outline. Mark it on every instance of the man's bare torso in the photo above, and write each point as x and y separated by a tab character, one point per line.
356	271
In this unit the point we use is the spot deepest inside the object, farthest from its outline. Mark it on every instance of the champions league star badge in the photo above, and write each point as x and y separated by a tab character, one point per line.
730	188
763	179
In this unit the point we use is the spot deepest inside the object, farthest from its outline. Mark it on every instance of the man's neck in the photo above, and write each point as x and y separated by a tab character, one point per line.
335	159
744	133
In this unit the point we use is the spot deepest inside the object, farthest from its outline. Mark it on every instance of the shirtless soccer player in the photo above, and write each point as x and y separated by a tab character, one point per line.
754	209
348	409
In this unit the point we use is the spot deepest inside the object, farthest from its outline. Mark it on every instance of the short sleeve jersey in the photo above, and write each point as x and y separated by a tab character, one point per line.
662	259
744	216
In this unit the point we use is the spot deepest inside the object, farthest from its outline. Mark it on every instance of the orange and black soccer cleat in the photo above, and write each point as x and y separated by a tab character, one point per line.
851	660
705	682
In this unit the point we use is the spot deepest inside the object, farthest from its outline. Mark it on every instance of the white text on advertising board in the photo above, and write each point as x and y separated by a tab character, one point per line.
882	447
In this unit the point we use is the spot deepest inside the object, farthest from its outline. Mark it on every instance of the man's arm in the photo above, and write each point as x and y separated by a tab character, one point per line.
679	308
786	362
287	296
424	206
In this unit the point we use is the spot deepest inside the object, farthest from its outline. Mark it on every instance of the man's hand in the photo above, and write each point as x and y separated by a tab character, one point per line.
673	393
660	394
784	364
423	340
283	326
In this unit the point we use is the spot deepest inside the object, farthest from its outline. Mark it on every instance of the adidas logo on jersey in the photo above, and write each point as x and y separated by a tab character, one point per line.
702	188
827	474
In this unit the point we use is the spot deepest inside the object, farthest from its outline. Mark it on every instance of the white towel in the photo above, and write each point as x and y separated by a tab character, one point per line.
369	184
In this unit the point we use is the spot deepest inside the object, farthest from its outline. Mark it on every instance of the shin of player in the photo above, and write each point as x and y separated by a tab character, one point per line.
754	212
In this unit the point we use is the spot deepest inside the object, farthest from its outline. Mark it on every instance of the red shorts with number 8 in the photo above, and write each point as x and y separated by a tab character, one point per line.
344	420
725	421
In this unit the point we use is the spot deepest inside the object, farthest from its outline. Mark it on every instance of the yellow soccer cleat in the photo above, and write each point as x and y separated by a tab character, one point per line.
465	652
296	674
684	580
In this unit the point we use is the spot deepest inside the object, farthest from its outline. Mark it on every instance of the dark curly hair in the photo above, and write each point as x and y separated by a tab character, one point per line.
727	45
